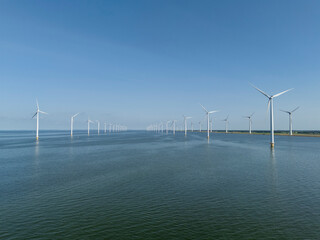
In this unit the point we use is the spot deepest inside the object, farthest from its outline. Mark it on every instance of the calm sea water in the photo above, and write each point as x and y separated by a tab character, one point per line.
143	185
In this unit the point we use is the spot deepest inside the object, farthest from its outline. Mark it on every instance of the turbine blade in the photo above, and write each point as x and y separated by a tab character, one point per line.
213	111
204	108
43	112
37	103
34	114
260	91
295	109
75	115
277	95
251	115
284	111
268	107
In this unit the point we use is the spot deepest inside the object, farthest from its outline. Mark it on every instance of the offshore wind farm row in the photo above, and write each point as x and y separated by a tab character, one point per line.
113	127
172	124
159	126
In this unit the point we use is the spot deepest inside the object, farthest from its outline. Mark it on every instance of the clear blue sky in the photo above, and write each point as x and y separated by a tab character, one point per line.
138	62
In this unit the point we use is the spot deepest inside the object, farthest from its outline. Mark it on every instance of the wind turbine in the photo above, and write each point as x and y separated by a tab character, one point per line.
290	119
167	127
72	122
98	126
250	121
191	126
208	119
174	126
38	115
200	126
211	120
227	122
89	121
105	127
185	124
270	103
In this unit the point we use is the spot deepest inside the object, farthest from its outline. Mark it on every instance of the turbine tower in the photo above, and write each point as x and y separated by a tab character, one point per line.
208	120
72	122
89	121
98	126
227	122
185	124
167	126
105	127
270	103
38	115
250	122
200	126
290	119
174	126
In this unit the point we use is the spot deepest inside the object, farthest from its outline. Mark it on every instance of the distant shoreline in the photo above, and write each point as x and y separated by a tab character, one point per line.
279	133
296	134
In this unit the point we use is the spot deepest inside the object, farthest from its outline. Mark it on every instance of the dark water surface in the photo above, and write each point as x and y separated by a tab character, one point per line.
143	185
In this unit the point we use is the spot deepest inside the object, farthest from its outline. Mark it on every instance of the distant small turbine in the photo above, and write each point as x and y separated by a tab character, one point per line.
208	119
167	127
191	126
227	122
38	115
250	122
290	119
174	126
200	127
89	121
72	122
185	124
98	126
270	103
105	127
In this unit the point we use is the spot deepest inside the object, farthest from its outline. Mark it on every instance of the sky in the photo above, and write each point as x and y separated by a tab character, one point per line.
140	62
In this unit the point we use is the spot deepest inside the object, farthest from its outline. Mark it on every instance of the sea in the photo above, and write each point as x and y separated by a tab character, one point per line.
154	185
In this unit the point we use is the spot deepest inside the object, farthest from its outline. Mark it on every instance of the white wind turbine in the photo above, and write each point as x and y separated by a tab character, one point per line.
185	124
211	120
227	122
89	121
72	122
105	127
38	115
290	119
250	122
98	126
174	126
270	104
200	126
191	126
208	120
167	127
